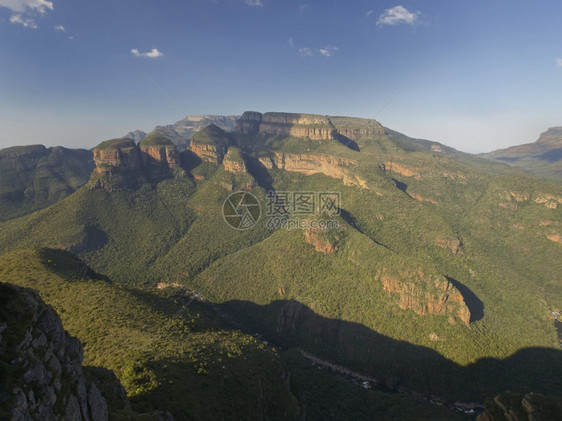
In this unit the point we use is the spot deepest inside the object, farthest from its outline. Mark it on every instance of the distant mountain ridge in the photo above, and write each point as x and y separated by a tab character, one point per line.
34	177
181	131
434	255
543	157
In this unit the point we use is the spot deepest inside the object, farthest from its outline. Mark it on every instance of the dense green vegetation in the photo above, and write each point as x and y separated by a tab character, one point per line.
212	135
167	355
424	215
156	140
34	177
119	143
173	353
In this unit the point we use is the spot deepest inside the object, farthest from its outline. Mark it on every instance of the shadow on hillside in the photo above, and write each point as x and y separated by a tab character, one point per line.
346	141
508	159
350	219
554	155
474	304
259	172
401	186
189	160
66	264
399	364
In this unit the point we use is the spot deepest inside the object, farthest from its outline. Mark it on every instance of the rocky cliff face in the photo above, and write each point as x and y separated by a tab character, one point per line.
426	295
117	156
313	126
249	123
43	364
159	150
120	163
211	144
208	152
167	157
234	163
321	240
309	164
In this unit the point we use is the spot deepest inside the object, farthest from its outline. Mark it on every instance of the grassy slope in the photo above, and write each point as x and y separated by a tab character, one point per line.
34	177
172	353
167	356
173	231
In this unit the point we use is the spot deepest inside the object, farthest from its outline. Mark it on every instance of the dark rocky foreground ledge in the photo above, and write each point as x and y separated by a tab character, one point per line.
41	372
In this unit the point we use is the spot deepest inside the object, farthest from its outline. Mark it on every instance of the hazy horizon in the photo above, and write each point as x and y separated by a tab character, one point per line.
475	76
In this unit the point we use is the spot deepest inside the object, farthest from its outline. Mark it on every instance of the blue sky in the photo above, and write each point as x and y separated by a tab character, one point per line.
480	75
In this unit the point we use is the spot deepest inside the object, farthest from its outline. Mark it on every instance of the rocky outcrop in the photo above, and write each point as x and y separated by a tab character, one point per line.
165	156
234	163
211	144
208	152
160	150
312	126
399	169
550	201
121	163
356	128
321	239
249	122
117	156
420	198
426	294
309	164
452	244
315	127
554	236
47	380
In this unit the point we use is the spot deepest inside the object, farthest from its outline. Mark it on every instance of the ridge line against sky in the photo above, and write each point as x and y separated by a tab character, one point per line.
489	72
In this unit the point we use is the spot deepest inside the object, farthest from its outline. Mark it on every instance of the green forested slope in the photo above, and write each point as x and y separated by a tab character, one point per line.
173	353
417	215
34	177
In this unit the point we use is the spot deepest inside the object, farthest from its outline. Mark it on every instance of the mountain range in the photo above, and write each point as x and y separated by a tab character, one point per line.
544	157
395	262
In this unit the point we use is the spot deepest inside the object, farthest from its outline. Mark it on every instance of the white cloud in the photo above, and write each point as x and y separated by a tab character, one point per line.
60	28
559	62
20	6
254	3
25	22
303	7
306	52
328	50
291	42
154	53
369	13
22	9
397	15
